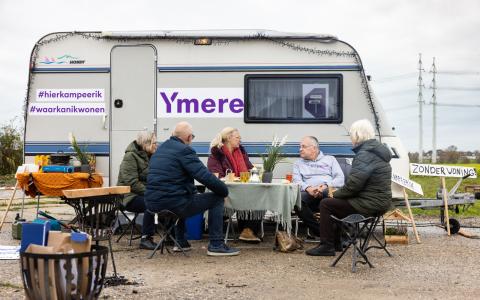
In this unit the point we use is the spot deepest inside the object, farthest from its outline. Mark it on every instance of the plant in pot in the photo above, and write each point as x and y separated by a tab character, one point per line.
80	154
272	158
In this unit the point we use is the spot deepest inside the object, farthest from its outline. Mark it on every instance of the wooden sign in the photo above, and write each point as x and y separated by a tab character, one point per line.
413	186
442	171
407	183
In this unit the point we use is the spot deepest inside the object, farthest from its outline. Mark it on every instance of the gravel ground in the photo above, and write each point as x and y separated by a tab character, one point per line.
440	267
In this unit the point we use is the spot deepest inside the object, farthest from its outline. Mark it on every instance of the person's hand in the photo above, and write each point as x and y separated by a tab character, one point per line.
319	191
312	191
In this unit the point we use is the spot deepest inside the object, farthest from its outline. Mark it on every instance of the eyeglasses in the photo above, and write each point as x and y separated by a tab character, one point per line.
305	146
193	136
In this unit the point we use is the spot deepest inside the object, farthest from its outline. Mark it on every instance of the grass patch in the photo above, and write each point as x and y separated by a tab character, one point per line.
470	211
7	180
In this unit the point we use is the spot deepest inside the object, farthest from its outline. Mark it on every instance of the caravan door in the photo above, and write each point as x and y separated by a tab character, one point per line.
133	98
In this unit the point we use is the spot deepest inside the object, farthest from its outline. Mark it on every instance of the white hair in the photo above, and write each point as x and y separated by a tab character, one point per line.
360	131
222	137
145	138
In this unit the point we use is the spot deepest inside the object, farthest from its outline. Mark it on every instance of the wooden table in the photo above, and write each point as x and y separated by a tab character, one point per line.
96	211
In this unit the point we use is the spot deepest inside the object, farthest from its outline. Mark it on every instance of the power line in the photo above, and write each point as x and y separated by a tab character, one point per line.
459	88
401	107
458	105
459	72
395	77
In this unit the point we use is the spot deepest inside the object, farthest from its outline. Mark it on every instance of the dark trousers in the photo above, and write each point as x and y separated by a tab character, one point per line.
137	205
199	203
331	206
309	206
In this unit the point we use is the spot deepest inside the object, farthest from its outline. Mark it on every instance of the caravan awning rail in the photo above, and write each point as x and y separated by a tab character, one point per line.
219	34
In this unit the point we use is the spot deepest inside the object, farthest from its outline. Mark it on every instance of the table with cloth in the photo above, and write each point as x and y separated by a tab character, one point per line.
53	184
250	200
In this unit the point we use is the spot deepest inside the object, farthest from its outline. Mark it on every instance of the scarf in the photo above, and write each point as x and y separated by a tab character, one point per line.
236	160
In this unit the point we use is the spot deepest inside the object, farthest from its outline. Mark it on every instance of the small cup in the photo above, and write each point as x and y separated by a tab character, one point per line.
289	177
230	177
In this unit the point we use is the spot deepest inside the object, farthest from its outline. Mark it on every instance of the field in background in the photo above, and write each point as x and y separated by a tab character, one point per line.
430	186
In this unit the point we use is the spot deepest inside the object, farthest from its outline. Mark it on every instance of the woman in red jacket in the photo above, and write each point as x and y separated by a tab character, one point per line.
226	153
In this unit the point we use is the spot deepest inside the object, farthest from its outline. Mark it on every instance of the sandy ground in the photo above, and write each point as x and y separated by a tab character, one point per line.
441	267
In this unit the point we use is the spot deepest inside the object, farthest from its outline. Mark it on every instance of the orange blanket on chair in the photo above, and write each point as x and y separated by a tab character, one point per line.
52	184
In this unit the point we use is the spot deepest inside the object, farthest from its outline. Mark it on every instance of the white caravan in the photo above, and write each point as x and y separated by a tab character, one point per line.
104	87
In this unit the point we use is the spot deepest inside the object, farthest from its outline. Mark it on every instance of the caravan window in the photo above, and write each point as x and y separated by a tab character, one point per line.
286	98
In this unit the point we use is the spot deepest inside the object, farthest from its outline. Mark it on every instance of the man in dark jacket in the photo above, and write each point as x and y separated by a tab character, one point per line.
367	190
170	185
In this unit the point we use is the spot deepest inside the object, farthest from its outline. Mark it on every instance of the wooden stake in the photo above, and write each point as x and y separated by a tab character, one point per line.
445	202
405	195
8	206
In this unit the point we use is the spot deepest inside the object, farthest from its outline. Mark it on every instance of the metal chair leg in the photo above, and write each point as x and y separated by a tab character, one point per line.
113	259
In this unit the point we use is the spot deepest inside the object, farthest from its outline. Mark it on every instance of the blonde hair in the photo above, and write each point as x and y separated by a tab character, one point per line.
145	138
222	137
360	131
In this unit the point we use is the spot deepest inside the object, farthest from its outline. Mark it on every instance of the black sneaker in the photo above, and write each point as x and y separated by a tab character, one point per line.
185	246
147	243
324	249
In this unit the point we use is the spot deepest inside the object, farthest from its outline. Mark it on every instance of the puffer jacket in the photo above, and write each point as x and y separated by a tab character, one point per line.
170	181
368	187
219	163
133	171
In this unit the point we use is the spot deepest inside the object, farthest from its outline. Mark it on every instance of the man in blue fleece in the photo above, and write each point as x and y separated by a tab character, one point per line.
170	185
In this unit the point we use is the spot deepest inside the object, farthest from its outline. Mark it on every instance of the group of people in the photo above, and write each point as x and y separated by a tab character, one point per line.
163	178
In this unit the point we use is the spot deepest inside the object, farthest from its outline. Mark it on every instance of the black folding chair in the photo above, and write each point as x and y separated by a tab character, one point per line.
167	220
131	226
354	227
371	234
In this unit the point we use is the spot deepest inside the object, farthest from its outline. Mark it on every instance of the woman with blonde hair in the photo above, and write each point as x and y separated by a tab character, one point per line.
226	153
367	190
133	172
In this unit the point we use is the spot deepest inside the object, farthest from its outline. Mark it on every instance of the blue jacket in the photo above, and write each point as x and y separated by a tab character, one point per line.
172	170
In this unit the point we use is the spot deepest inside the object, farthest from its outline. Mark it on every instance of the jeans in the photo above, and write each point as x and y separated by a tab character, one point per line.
309	206
137	205
199	203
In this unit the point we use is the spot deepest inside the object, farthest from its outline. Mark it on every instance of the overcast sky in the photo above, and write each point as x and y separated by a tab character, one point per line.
388	35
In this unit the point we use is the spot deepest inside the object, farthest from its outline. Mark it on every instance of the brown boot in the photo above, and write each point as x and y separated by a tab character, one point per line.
247	235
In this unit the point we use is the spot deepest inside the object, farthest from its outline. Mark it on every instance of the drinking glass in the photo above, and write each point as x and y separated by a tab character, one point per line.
244	176
289	177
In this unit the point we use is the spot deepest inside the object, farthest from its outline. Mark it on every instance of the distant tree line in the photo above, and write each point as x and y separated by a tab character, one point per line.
11	148
449	155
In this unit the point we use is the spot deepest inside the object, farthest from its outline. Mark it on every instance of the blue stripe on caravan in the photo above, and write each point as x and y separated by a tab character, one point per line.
257	68
202	68
202	148
289	149
97	148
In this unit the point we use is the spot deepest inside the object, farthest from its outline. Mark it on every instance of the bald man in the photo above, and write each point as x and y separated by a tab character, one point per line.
314	172
170	185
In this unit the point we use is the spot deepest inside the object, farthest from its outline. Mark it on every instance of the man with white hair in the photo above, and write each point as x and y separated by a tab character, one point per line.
315	172
170	185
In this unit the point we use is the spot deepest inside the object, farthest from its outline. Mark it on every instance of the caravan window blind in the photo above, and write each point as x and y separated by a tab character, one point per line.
287	98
